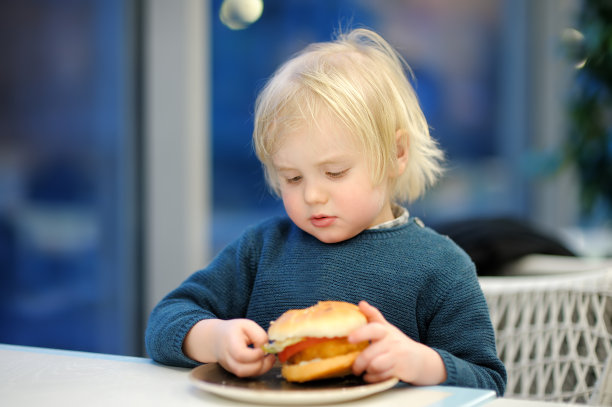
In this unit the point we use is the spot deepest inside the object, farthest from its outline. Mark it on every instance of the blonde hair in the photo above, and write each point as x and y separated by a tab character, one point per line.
361	81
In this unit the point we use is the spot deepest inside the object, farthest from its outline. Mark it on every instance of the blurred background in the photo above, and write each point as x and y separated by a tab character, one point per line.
125	155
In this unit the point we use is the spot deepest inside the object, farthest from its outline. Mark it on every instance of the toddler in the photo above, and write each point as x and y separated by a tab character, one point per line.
343	142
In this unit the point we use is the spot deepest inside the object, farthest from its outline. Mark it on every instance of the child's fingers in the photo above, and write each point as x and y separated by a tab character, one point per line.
267	364
374	330
367	356
371	332
258	367
248	354
250	369
372	313
381	364
250	331
248	348
255	334
376	363
377	377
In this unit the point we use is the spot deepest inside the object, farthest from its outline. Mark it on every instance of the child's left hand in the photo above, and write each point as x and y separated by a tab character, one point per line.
393	354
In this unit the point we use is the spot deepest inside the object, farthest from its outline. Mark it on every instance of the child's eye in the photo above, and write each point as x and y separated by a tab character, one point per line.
294	180
336	174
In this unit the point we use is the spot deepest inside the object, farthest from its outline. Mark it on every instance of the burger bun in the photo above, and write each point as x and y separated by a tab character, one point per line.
325	319
336	366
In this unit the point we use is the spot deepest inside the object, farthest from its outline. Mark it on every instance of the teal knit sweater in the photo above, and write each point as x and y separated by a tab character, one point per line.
421	281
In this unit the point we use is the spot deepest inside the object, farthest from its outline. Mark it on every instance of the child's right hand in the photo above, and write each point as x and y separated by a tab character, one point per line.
235	344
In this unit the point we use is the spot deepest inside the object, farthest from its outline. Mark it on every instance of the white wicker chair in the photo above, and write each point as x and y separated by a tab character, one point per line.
554	334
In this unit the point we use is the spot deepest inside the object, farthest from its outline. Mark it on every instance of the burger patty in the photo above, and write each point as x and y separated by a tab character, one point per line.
327	349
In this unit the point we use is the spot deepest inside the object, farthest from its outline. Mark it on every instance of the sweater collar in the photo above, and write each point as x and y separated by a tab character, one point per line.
401	218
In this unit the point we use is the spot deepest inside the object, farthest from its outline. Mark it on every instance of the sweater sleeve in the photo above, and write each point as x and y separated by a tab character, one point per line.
462	333
221	290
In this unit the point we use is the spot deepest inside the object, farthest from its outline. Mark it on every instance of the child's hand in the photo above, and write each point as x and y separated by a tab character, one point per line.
235	344
393	354
233	351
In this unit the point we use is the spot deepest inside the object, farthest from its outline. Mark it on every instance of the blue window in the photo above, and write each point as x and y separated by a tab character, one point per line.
68	168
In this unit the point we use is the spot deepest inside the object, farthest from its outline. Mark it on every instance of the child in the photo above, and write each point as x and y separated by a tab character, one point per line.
342	140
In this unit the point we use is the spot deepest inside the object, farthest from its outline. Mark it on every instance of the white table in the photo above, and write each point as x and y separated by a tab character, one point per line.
47	377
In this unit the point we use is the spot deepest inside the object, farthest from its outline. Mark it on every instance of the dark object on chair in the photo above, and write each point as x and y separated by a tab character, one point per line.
493	243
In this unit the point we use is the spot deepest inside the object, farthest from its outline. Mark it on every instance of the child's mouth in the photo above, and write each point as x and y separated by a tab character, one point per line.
321	221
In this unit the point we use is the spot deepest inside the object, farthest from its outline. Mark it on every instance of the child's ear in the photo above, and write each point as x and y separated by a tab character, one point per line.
402	144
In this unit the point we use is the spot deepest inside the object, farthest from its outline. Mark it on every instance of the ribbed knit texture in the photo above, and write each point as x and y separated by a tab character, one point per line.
421	281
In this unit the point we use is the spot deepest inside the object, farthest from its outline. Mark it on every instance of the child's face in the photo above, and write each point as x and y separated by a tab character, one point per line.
326	186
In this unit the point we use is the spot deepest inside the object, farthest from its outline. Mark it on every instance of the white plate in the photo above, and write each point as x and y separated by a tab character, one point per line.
271	388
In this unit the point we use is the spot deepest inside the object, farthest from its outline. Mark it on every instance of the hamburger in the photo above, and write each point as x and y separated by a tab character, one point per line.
311	343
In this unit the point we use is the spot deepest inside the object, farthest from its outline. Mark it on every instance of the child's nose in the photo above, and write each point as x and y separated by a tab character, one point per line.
314	193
